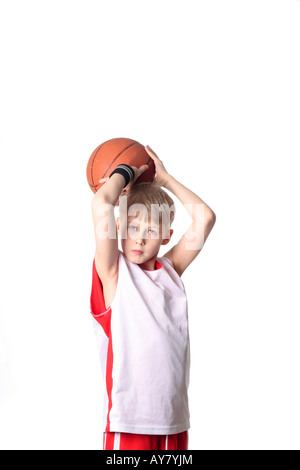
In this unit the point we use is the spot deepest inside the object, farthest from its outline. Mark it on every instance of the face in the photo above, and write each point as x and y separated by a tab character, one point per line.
142	240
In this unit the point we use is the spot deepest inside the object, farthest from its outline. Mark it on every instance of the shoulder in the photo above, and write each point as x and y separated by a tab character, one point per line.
169	260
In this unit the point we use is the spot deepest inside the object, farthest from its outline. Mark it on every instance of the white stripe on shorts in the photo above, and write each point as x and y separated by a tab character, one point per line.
117	441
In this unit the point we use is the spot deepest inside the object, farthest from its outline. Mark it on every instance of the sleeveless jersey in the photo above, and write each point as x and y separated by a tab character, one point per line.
144	348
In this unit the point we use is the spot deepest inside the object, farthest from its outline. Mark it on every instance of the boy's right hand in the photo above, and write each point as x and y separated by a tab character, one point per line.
137	174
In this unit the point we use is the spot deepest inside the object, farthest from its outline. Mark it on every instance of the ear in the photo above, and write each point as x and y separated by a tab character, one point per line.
125	191
166	240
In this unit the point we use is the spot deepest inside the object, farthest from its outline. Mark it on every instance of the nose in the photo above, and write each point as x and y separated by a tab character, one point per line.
140	239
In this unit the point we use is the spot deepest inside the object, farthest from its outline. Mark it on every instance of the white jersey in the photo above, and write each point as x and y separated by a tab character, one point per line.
144	349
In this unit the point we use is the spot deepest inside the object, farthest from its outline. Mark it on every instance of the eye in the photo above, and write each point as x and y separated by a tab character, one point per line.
133	227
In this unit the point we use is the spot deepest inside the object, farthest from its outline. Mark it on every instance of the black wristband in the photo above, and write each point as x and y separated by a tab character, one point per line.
126	171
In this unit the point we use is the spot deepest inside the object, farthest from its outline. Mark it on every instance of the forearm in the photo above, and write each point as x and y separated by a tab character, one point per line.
190	200
111	190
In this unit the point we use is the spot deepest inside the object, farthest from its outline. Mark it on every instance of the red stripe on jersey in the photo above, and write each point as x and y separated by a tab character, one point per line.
98	308
103	317
109	379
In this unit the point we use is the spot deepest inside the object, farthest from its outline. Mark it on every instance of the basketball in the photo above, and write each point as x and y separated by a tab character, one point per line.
108	155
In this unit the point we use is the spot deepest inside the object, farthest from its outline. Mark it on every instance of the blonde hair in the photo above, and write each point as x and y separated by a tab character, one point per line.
158	204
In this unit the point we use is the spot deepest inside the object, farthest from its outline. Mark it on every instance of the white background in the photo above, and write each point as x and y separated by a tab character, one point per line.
213	87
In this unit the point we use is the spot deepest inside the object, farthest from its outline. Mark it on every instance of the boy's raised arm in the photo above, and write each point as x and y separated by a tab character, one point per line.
103	204
203	220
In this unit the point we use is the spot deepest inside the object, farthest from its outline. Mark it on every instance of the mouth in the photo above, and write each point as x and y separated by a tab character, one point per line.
137	252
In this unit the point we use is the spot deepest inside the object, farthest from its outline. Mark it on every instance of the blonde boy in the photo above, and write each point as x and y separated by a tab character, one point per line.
139	307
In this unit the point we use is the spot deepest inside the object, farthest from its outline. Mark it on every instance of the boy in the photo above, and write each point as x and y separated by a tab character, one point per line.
139	307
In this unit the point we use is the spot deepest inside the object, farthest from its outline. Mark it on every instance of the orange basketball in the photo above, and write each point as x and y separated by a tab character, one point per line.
112	153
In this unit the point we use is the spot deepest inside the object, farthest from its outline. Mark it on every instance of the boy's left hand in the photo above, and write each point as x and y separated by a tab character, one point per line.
161	173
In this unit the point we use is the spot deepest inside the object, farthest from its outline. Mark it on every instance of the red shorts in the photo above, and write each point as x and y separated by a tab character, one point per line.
126	441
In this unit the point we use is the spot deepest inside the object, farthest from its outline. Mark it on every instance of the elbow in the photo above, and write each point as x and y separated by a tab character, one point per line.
209	215
212	218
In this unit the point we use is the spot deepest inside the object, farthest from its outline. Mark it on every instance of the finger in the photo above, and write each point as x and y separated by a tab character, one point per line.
143	168
150	151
